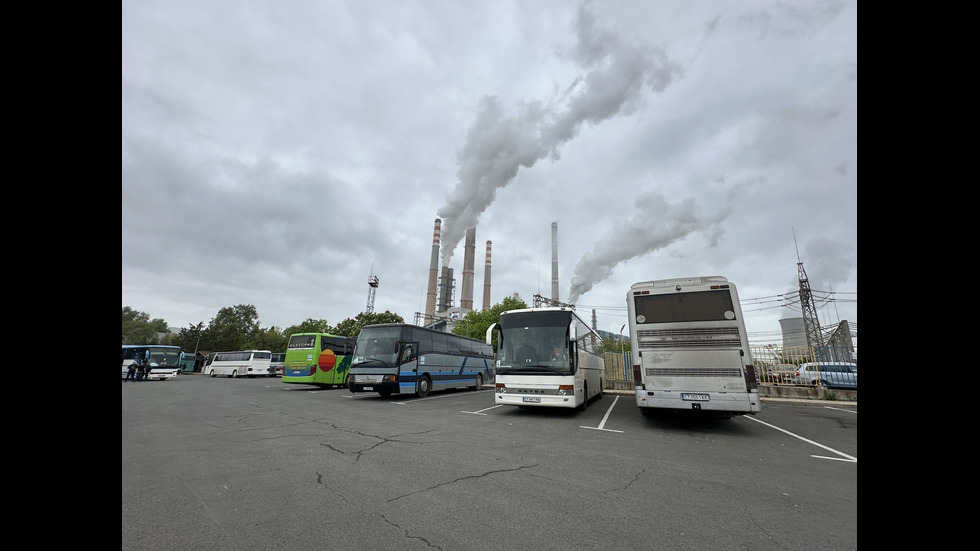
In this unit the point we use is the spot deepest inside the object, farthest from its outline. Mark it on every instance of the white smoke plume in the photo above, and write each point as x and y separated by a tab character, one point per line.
616	76
656	225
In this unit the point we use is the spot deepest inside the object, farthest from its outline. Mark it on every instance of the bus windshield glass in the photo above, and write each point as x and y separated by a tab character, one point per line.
534	342
684	307
377	345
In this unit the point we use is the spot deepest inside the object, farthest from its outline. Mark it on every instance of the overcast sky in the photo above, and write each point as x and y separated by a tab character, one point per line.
279	153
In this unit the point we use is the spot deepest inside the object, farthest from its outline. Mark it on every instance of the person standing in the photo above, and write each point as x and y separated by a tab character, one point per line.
131	372
140	371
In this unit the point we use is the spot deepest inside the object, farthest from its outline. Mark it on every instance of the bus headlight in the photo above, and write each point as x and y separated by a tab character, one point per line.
501	388
566	390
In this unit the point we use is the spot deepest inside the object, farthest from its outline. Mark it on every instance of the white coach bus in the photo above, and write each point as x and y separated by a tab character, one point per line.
244	363
689	347
546	357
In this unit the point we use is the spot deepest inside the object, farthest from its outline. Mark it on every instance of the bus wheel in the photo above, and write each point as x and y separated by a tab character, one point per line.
212	373
585	402
234	374
479	382
425	385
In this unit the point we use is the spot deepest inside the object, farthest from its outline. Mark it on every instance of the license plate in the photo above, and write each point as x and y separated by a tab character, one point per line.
369	388
533	400
696	397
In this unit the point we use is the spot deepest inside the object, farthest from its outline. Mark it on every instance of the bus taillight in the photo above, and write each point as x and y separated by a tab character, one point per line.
637	379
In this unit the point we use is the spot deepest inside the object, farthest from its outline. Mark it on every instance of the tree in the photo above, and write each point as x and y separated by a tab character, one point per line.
138	328
475	323
272	339
352	327
234	328
309	326
615	344
191	338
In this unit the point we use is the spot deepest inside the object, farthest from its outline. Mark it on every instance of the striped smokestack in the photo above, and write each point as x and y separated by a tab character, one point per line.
430	298
486	281
469	252
554	261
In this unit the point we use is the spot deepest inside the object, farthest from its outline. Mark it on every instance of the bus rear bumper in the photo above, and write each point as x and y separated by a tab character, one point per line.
738	403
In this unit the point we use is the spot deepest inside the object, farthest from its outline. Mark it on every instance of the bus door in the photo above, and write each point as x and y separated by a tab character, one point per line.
408	360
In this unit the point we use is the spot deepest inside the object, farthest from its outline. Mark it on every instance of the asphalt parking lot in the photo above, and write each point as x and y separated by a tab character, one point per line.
258	464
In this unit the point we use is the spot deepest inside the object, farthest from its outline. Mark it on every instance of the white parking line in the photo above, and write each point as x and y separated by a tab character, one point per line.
480	412
849	459
604	417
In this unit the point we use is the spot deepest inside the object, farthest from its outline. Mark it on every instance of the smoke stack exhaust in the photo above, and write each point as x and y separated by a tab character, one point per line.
430	298
447	287
486	281
469	254
554	261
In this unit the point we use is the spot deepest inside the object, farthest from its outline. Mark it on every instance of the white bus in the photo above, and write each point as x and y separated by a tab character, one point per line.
244	363
546	357
690	350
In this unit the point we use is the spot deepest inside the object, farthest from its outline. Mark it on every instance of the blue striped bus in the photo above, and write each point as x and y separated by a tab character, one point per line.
164	359
396	358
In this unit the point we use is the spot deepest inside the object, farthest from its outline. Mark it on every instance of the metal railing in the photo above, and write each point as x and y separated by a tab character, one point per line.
773	364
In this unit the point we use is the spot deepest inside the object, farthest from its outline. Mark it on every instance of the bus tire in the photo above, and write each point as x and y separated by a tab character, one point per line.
585	402
234	373
479	381
212	373
424	386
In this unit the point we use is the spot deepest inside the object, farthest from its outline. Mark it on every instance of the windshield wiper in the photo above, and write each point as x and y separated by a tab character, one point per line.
370	360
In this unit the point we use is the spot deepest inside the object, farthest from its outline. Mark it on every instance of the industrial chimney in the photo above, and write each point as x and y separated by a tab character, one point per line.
486	281
447	287
554	261
469	252
430	299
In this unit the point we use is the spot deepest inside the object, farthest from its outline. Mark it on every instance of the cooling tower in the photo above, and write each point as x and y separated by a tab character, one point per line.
469	252
486	281
430	299
554	261
794	333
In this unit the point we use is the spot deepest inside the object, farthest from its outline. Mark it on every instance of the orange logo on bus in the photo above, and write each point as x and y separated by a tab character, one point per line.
327	360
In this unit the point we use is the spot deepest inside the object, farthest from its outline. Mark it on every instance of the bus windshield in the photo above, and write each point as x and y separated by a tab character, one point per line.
377	345
534	342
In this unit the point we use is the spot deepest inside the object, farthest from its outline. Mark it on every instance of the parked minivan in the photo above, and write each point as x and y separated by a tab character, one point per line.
829	375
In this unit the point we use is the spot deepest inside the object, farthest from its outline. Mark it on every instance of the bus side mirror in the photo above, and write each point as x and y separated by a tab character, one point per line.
490	333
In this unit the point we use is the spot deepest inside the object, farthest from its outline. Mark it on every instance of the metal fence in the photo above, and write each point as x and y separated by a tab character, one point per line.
777	365
773	364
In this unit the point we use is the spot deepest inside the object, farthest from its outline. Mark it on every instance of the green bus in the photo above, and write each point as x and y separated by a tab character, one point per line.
320	359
